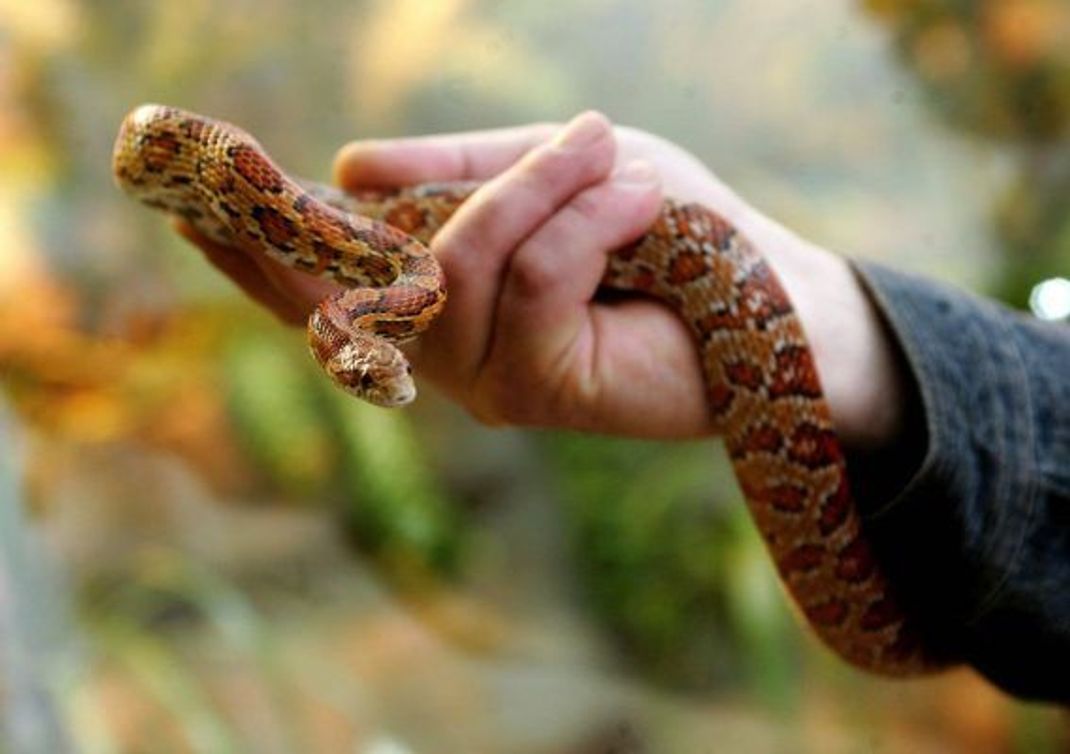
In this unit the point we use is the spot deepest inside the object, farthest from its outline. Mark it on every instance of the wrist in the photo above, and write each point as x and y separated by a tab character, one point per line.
857	360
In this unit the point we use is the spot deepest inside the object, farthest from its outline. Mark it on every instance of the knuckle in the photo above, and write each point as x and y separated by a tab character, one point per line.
452	245
585	208
593	158
535	272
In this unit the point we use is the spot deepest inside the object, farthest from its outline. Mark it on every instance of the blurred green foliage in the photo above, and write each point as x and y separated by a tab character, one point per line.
1032	221
997	69
314	440
1000	70
397	507
671	562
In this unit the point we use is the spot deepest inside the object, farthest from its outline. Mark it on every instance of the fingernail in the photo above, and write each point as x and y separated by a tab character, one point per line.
583	130
637	173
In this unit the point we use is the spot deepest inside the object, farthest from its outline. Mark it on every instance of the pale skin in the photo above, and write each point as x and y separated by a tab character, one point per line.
525	341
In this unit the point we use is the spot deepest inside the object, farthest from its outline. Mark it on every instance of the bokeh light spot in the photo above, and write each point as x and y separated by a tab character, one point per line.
1050	299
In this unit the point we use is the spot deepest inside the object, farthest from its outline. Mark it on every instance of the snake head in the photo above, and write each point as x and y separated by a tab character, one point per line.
361	363
149	143
157	159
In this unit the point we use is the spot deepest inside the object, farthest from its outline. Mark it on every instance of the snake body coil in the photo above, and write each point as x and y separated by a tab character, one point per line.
762	383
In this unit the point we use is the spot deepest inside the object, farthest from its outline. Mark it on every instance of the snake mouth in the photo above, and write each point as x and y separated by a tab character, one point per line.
362	364
365	375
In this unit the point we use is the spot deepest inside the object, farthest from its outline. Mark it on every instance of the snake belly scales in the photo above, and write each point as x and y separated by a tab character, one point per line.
760	375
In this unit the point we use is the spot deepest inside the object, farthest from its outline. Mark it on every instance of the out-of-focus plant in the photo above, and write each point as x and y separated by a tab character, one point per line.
1000	69
671	562
278	424
273	401
38	658
1032	221
142	626
997	68
396	506
365	462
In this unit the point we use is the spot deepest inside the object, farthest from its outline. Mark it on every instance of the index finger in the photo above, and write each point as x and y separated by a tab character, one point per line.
466	156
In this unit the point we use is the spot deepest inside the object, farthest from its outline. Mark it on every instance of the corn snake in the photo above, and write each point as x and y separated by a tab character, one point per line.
762	383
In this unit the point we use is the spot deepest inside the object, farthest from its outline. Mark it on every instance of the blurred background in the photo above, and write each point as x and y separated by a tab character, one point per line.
206	548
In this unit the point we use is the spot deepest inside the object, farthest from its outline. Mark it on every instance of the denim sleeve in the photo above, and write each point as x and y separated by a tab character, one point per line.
970	513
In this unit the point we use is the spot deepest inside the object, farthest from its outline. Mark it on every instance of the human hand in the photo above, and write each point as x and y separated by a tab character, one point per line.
524	340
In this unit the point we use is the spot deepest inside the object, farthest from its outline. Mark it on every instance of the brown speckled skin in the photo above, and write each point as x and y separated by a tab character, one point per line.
761	379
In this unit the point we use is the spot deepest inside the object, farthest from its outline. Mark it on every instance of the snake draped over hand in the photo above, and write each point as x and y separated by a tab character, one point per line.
761	380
